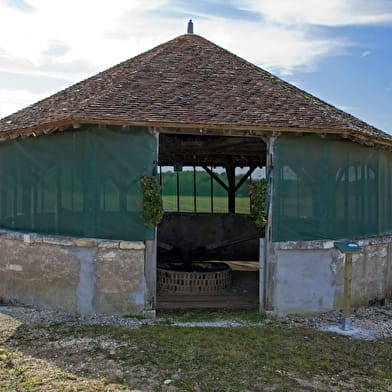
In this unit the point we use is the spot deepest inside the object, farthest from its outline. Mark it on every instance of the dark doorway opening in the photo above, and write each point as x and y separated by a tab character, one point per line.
204	182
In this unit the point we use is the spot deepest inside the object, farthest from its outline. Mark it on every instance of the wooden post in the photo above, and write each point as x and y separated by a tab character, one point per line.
230	173
268	269
150	260
178	190
348	272
347	248
194	189
212	189
150	273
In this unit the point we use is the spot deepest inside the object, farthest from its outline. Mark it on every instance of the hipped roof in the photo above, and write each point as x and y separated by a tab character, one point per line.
189	82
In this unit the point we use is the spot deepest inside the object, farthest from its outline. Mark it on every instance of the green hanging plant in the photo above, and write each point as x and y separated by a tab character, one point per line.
257	192
152	206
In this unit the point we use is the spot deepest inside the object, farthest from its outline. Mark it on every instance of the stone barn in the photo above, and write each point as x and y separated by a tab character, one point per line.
73	236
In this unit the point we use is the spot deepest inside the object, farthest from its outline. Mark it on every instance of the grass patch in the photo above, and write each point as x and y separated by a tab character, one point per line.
250	358
16	376
203	204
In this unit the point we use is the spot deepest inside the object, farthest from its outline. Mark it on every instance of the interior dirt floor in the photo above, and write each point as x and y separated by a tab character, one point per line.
243	293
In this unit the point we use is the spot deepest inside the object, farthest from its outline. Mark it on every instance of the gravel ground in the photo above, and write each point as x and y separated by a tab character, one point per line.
368	323
31	316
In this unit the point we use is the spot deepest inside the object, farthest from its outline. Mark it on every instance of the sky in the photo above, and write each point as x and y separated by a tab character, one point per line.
338	50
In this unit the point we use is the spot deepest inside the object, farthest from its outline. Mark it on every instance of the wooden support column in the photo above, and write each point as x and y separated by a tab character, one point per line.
150	260
194	190
232	188
348	274
178	190
150	273
347	248
230	173
268	267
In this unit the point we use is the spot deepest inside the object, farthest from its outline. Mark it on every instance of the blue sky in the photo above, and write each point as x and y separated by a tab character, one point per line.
360	81
338	50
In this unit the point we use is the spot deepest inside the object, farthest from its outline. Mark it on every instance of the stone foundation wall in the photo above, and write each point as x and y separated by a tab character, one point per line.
74	275
308	276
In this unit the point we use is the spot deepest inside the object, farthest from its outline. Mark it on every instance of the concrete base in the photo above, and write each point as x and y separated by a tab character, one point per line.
353	332
346	324
74	275
308	276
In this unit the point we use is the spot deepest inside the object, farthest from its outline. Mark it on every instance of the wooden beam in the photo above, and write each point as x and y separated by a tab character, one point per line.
200	129
194	128
216	178
245	177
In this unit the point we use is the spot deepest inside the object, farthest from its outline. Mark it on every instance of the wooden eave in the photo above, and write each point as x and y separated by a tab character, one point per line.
200	129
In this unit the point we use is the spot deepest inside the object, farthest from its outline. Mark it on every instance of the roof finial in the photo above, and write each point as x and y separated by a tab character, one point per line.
190	27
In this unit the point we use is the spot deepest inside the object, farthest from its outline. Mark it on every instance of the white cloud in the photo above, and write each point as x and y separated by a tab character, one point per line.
59	41
19	5
13	100
366	53
271	47
73	39
322	12
53	66
81	26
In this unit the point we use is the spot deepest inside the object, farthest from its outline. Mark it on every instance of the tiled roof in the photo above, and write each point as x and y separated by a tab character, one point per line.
186	81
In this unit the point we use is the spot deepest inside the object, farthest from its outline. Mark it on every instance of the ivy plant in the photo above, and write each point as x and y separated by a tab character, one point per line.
152	206
257	192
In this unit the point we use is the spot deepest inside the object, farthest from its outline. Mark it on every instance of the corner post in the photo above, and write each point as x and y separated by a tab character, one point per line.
150	257
348	275
267	269
150	273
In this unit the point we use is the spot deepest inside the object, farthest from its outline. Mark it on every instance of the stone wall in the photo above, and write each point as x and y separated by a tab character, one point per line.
308	276
74	275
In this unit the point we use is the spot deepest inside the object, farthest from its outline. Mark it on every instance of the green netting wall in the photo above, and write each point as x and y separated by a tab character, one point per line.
81	183
330	188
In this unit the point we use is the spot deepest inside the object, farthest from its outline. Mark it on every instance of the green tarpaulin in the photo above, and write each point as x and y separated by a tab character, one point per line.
330	188
81	183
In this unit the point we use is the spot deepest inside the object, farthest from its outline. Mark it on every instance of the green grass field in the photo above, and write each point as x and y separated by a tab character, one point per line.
203	204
